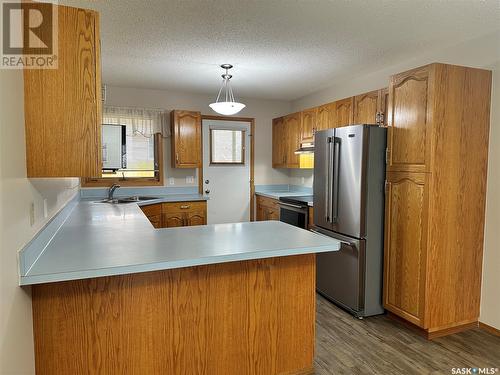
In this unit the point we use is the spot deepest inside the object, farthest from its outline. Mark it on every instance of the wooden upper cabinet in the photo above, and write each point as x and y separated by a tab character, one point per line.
325	116
292	132
186	139
343	112
366	108
63	106
409	107
308	124
406	245
371	108
279	143
383	106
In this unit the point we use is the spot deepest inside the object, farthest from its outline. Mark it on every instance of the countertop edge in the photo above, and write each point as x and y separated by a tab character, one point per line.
125	270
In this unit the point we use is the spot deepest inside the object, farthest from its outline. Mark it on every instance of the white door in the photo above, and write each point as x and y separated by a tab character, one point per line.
226	170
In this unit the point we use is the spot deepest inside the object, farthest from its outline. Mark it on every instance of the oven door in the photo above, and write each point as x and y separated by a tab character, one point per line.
294	214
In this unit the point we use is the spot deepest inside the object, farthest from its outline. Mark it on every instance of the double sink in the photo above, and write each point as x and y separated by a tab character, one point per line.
133	199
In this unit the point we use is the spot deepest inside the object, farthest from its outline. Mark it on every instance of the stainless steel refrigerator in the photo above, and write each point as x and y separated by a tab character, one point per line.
349	179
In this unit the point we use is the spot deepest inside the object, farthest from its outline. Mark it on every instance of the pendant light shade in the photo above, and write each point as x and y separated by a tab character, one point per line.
225	103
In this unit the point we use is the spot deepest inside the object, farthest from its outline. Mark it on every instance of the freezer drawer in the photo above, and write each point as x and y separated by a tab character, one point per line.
340	274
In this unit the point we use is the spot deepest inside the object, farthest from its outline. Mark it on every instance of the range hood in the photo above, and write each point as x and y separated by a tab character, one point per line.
305	148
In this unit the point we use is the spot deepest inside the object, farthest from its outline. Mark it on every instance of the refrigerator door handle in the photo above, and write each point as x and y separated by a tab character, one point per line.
336	164
329	173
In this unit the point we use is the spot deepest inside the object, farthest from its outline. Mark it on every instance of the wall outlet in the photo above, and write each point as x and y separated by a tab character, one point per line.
32	213
45	210
171	181
189	180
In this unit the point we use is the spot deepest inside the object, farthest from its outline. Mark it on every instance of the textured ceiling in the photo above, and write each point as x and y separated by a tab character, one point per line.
281	49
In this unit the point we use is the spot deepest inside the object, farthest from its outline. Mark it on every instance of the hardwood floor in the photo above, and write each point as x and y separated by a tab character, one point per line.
379	345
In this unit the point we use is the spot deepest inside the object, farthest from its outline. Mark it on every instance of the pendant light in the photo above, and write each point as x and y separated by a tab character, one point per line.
229	106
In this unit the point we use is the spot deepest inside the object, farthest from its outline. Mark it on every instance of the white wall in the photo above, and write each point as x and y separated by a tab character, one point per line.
262	110
481	52
16	195
490	296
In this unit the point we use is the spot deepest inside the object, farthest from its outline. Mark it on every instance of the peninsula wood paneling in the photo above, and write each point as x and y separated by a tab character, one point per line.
63	106
251	317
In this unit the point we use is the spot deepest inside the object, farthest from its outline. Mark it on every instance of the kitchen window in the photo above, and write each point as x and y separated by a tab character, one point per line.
227	146
131	146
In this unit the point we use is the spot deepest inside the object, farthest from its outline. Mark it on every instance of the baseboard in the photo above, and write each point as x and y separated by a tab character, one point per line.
490	329
439	332
431	335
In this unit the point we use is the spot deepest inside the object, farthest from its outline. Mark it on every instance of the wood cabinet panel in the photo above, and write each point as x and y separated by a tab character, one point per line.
437	114
279	143
308	124
409	120
383	106
325	116
186	139
292	132
459	163
153	213
343	112
63	105
180	214
267	208
172	220
246	317
406	245
196	218
366	108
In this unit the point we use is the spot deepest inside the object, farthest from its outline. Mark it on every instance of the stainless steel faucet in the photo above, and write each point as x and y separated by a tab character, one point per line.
111	191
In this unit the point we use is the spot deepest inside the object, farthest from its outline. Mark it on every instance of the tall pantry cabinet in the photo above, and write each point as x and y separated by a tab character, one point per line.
438	118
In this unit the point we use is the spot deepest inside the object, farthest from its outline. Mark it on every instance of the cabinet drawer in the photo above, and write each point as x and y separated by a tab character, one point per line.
172	207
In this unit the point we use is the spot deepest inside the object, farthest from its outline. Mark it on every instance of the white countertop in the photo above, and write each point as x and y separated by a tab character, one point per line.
99	239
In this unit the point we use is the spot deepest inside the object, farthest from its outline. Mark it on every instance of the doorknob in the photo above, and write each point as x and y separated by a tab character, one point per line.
207	191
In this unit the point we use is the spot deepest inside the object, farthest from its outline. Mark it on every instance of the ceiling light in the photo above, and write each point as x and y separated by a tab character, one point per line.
229	106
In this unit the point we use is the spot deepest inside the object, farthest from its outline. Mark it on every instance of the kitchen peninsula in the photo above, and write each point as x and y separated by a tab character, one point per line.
113	295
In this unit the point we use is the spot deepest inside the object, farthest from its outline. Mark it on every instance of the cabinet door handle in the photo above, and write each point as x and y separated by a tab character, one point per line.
177	157
377	118
185	207
381	118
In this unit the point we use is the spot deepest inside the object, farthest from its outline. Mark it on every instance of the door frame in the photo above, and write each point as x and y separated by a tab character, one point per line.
250	120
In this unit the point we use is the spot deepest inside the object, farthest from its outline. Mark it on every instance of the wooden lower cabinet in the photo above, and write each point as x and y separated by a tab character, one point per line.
406	245
172	220
267	208
153	213
176	214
